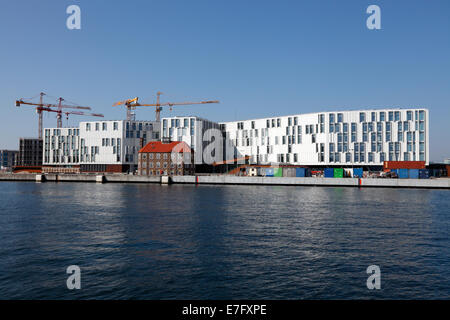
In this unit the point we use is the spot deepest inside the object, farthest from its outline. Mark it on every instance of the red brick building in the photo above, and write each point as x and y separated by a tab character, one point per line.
173	158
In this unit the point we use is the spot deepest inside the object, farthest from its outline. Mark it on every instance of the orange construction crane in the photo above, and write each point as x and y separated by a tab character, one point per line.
131	105
41	106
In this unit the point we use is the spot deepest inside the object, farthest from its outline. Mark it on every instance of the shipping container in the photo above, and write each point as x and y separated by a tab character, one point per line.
357	172
261	172
289	172
269	172
277	172
328	173
338	172
303	172
348	173
448	171
414	173
424	174
403	173
404	165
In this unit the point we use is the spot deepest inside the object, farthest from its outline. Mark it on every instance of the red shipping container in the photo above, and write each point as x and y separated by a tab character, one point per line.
404	165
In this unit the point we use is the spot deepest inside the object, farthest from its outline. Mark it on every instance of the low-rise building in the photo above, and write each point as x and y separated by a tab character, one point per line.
8	159
172	158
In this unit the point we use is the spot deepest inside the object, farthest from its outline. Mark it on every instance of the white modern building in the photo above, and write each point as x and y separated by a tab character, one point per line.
363	137
61	146
109	146
197	133
341	138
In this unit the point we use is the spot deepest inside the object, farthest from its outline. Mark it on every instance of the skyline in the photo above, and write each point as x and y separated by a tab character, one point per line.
259	60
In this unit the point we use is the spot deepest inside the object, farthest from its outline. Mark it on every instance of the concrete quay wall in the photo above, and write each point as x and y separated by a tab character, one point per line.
441	183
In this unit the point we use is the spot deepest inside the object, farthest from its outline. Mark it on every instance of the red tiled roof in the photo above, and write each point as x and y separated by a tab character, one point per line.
158	146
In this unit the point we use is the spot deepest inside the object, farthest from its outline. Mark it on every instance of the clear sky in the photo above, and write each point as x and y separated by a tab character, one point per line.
259	58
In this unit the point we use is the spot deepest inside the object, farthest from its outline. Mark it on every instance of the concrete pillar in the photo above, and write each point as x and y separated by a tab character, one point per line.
100	179
40	178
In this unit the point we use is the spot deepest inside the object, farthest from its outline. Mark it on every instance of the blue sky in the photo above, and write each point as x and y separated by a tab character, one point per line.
259	58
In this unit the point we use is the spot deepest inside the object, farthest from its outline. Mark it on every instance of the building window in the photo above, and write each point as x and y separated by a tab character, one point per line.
391	116
337	127
362	117
422	137
340	117
421	116
331	118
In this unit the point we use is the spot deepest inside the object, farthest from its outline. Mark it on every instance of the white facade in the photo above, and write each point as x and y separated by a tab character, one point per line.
99	143
196	132
61	146
363	137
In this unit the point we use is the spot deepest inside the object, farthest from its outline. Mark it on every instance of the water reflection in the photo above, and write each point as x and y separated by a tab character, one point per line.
222	242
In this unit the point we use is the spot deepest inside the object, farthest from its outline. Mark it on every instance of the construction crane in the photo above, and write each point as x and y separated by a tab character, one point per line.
131	105
59	113
82	114
41	106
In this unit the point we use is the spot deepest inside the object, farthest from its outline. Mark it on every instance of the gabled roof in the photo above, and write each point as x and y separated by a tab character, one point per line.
158	146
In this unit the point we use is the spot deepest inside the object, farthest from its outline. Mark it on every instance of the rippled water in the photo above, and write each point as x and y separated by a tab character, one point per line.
222	242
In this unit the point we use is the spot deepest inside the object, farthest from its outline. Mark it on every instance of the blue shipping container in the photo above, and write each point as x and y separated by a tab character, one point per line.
403	173
357	172
414	173
328	173
424	174
269	172
303	172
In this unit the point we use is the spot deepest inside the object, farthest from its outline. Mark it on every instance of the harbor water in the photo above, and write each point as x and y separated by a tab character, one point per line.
151	241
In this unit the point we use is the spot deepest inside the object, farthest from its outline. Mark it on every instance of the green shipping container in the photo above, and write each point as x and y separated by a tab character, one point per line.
338	173
277	172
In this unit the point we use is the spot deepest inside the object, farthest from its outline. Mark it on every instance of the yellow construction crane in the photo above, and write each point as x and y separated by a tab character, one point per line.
131	105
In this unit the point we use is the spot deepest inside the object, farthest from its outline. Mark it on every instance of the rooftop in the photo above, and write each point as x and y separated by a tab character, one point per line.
161	147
